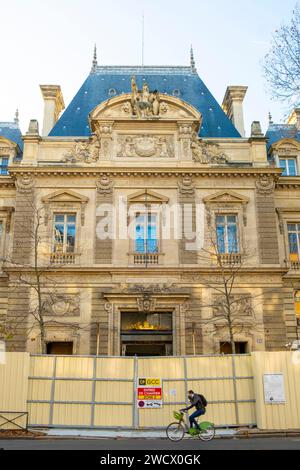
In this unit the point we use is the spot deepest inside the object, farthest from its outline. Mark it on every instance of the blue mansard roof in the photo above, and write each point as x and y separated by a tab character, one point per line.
11	131
107	81
277	132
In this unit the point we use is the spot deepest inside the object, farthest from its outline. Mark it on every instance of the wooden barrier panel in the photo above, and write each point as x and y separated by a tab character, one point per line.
284	415
91	392
14	371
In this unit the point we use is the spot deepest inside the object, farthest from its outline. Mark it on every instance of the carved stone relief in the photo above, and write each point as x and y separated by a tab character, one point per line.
265	184
186	185
146	145
87	151
63	305
207	152
104	185
25	184
144	103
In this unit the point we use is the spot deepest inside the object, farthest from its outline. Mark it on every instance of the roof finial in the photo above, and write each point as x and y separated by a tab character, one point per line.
16	118
192	60
94	63
270	118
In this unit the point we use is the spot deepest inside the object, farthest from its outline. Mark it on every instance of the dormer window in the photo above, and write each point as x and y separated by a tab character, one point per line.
289	166
4	165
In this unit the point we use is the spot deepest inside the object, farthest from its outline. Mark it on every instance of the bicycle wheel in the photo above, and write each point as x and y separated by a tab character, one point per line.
208	433
175	432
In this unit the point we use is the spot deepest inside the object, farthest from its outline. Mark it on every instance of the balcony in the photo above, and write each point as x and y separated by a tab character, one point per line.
230	259
293	262
146	258
62	259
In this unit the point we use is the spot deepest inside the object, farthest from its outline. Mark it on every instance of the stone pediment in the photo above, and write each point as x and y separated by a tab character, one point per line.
286	146
65	196
147	196
165	108
226	197
7	147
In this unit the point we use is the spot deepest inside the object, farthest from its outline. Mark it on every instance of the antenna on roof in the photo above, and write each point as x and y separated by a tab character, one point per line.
270	118
143	33
95	62
192	60
16	118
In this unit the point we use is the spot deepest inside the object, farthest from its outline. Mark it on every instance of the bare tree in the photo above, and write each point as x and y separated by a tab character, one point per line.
281	65
232	311
39	276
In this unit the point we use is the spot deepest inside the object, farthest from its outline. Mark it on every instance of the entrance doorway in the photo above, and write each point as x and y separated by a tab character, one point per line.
60	347
146	334
240	347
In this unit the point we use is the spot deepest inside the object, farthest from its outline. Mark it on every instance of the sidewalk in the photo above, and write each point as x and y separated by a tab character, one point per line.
122	433
73	433
160	433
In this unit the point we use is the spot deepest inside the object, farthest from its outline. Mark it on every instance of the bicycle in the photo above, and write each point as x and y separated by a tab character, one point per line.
176	430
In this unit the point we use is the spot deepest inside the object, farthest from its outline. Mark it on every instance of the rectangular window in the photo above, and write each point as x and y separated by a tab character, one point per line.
146	236
294	241
64	233
297	303
4	165
289	166
227	233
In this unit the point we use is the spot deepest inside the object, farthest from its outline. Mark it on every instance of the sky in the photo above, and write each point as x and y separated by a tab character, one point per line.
51	42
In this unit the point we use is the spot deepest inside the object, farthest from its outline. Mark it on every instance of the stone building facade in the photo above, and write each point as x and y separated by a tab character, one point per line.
87	264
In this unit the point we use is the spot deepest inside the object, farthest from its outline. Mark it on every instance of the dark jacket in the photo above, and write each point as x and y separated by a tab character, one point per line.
197	402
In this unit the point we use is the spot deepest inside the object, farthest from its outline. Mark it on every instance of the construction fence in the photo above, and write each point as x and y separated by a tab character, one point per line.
101	392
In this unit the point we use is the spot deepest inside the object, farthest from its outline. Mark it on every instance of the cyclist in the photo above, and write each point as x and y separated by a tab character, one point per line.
199	402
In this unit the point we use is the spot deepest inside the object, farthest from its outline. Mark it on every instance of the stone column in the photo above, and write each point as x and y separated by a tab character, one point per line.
100	323
186	199
103	247
19	297
266	220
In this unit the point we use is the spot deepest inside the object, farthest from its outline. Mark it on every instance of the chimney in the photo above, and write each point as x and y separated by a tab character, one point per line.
294	118
53	105
233	106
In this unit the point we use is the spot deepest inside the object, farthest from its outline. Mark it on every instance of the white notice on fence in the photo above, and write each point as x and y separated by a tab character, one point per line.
274	388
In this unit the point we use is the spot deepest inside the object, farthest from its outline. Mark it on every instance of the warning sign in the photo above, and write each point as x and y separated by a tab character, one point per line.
149	392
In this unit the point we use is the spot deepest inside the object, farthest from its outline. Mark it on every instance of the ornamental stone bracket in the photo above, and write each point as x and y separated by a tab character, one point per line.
186	186
25	184
265	184
104	185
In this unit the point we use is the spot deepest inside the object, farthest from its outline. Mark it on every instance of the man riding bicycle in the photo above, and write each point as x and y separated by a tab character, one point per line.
199	402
